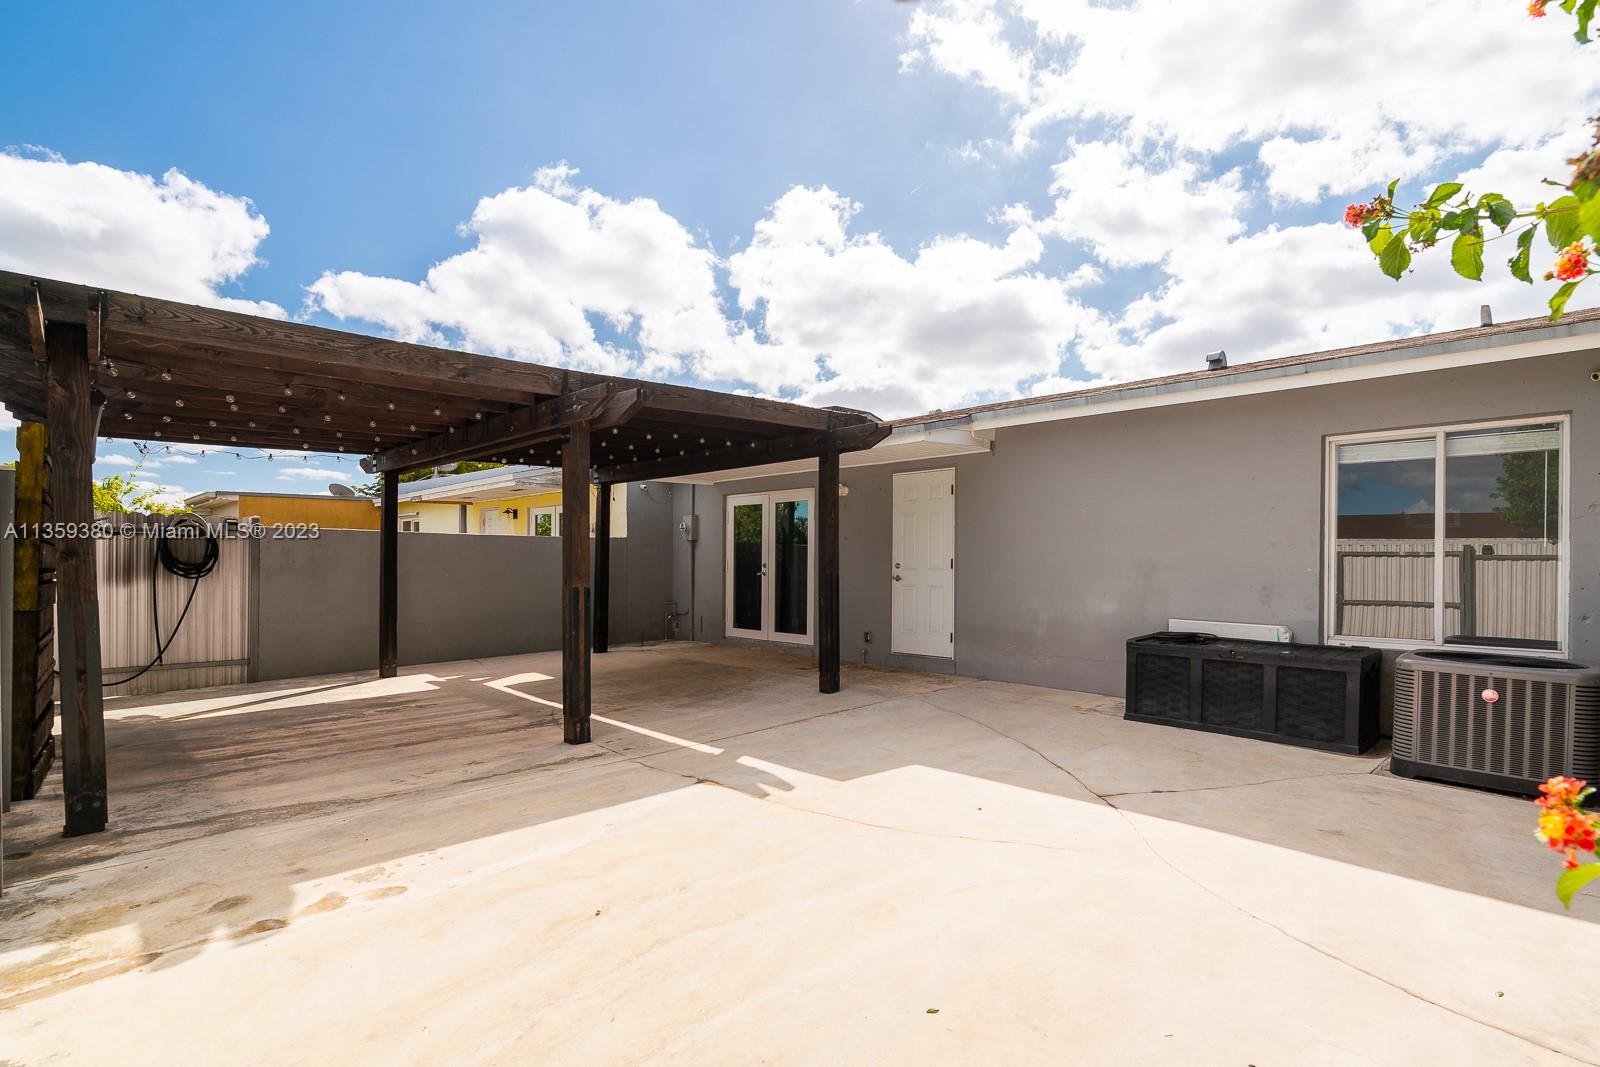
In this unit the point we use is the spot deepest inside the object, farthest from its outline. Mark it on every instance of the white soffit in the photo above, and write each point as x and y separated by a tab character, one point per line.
903	445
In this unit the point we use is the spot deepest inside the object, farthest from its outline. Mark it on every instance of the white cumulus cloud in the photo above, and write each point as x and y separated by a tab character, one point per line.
170	236
561	274
292	474
960	319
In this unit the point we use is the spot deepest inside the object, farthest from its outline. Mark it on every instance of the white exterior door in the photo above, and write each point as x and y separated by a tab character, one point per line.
923	579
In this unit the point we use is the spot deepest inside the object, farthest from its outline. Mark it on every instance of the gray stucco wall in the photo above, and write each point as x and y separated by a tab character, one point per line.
1073	536
316	602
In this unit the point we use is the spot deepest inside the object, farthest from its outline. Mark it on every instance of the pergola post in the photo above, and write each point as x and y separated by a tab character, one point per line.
389	576
575	591
828	567
602	568
70	428
32	740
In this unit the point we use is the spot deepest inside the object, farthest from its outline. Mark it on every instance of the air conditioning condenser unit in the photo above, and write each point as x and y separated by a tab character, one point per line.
1499	721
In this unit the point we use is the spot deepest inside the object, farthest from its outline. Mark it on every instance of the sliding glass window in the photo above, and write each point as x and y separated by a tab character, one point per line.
1450	536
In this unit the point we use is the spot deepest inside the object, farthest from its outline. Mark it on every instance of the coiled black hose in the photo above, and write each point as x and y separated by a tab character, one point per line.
194	570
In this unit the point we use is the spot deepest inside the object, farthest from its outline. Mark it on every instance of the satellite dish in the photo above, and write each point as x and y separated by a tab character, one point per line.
340	489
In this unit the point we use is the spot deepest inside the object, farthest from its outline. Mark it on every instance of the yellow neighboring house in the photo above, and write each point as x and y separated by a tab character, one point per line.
512	501
272	509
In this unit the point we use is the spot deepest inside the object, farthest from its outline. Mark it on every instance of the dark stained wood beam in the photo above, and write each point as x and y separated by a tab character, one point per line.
828	569
32	610
602	568
36	323
576	602
389	576
851	438
358	357
71	446
686	406
212	370
597	406
309	405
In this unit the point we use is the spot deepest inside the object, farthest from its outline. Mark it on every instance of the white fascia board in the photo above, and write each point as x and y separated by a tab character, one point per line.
902	445
1373	365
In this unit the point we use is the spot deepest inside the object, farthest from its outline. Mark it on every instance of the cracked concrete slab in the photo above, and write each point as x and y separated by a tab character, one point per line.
741	869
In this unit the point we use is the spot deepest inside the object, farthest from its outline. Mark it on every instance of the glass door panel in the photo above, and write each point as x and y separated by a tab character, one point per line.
791	567
747	565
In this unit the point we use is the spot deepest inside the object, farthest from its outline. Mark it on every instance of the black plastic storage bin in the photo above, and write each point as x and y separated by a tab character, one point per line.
1319	696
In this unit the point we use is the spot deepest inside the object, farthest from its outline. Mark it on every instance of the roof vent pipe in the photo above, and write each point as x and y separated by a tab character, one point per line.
1217	360
1485	316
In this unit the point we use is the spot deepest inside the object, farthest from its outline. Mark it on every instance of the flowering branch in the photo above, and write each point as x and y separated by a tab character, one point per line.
1571	221
1567	828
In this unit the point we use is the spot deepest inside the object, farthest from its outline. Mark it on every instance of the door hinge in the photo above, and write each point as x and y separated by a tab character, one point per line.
952	639
952	563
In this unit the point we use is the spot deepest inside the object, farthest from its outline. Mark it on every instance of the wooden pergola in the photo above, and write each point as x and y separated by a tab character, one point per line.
78	363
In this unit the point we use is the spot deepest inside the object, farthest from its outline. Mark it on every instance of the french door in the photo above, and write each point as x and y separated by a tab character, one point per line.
769	566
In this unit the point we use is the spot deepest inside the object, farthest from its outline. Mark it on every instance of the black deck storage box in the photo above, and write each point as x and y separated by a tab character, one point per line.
1319	696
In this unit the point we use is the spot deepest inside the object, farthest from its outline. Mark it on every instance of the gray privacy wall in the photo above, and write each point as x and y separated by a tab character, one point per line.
315	608
1073	536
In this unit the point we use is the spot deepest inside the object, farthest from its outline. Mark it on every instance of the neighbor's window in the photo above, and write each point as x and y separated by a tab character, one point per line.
546	522
1449	536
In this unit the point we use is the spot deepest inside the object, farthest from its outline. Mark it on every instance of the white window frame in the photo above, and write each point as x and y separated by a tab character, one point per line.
768	631
554	511
1330	518
410	522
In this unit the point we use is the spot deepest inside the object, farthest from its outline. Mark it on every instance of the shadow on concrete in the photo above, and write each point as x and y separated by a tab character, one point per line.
361	773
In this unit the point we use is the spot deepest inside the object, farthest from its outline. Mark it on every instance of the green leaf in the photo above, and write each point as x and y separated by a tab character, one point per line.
1380	239
1395	258
1502	213
1370	229
1570	882
1561	222
1558	302
1585	16
1589	218
1519	262
1444	192
1466	256
1392	186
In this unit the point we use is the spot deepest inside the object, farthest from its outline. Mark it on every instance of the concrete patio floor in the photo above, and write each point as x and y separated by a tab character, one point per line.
918	869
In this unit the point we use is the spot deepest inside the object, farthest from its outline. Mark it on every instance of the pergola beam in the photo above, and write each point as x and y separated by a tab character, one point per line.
597	406
852	438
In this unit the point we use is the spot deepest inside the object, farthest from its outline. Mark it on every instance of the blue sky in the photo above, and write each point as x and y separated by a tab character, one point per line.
900	206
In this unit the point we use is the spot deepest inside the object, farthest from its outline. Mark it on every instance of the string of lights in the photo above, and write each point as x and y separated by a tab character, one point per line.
146	449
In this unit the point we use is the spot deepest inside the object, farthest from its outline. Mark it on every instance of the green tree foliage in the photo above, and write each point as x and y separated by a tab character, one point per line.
118	494
1470	221
1526	489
